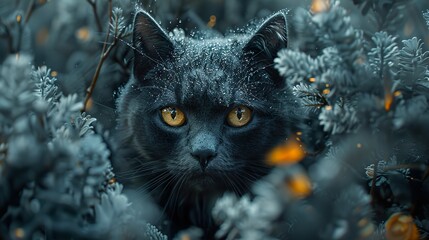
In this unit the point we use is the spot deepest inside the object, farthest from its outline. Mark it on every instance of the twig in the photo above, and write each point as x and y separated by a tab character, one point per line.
402	166
30	11
374	178
31	7
103	57
94	10
318	105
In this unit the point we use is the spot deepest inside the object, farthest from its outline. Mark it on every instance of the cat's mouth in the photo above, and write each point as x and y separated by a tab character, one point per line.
201	180
201	176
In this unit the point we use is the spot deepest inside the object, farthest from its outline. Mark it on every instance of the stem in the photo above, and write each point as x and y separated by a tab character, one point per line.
402	166
374	178
94	10
18	47
31	7
30	11
103	57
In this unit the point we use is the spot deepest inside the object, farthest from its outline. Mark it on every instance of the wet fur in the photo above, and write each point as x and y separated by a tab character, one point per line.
206	79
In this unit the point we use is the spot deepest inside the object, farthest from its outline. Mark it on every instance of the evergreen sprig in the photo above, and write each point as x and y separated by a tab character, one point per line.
383	92
426	17
63	188
334	29
387	14
339	119
384	54
413	62
369	107
46	87
310	97
118	25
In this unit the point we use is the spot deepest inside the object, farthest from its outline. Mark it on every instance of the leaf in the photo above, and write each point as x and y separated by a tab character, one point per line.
118	26
65	109
339	119
426	17
153	233
334	29
413	62
296	66
383	54
46	87
310	97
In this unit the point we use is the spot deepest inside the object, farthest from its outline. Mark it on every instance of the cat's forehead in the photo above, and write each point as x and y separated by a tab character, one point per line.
212	50
211	71
216	60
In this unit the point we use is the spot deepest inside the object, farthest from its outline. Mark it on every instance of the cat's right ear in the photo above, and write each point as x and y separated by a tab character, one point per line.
151	44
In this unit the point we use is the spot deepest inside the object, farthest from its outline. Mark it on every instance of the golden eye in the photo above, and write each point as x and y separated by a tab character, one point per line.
173	116
239	116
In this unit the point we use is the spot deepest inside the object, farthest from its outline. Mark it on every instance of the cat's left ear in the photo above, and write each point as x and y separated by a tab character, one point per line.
151	44
264	44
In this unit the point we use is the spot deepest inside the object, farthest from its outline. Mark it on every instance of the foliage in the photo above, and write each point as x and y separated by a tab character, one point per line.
370	97
366	92
63	186
426	16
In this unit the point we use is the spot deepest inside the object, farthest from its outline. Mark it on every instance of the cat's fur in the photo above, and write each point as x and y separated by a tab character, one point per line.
205	78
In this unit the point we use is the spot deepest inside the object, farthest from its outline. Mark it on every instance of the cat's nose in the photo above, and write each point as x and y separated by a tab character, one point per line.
204	156
204	148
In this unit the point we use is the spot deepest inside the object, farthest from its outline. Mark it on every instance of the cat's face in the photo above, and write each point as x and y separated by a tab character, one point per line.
201	114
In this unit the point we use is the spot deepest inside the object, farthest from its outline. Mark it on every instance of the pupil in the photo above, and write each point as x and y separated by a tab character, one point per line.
173	113
239	113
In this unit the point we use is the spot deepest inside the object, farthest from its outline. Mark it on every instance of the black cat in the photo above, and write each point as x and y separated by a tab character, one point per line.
198	116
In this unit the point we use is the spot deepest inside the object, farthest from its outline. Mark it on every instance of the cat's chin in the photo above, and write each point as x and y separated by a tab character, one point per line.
201	182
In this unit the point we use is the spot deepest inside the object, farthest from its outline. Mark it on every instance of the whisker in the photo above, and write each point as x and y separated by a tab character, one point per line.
176	192
232	184
154	184
158	180
172	180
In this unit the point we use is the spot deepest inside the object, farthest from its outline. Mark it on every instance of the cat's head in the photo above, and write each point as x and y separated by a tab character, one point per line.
202	113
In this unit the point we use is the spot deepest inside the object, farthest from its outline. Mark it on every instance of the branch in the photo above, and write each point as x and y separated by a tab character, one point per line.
97	18
103	57
30	11
374	179
31	7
